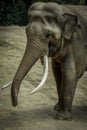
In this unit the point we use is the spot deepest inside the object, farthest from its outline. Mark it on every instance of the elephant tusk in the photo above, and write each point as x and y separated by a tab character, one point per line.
45	73
6	85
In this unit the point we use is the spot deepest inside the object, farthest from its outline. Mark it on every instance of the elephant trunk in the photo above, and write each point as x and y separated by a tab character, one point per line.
30	57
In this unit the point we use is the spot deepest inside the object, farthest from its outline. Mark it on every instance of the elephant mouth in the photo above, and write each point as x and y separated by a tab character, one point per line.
52	53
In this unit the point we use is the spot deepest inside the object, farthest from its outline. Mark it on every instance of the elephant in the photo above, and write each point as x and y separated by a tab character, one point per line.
59	32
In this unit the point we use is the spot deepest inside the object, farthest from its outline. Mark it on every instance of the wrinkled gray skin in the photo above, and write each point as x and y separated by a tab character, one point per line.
60	31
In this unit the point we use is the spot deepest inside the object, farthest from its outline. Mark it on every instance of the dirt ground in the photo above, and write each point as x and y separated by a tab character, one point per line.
34	112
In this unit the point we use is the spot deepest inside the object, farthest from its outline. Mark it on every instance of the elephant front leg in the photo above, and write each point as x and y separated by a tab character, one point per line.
68	86
58	77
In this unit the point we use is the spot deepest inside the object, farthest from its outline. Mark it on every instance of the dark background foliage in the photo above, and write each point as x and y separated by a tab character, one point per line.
15	11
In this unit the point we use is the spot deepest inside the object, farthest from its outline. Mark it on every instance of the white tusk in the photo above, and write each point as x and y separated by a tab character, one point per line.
45	73
6	85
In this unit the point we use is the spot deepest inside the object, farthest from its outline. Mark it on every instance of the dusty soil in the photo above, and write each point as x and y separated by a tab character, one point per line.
34	112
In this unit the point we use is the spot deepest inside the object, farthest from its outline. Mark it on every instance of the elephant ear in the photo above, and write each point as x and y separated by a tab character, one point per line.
69	25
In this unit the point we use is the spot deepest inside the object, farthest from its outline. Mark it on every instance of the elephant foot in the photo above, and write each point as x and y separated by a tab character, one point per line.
56	107
62	115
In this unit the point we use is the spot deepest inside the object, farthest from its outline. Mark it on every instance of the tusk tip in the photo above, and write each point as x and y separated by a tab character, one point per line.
33	92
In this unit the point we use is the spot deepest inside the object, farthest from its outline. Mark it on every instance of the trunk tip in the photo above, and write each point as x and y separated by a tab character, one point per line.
14	96
14	104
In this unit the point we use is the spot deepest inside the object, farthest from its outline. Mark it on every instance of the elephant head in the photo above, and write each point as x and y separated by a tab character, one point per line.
47	28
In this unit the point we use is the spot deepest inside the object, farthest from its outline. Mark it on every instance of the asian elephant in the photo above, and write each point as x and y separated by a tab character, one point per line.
59	32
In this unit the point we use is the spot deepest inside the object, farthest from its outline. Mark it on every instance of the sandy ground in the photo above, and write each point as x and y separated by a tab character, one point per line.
34	112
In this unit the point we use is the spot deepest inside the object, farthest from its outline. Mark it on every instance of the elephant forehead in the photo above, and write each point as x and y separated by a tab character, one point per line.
36	6
40	13
45	8
49	7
